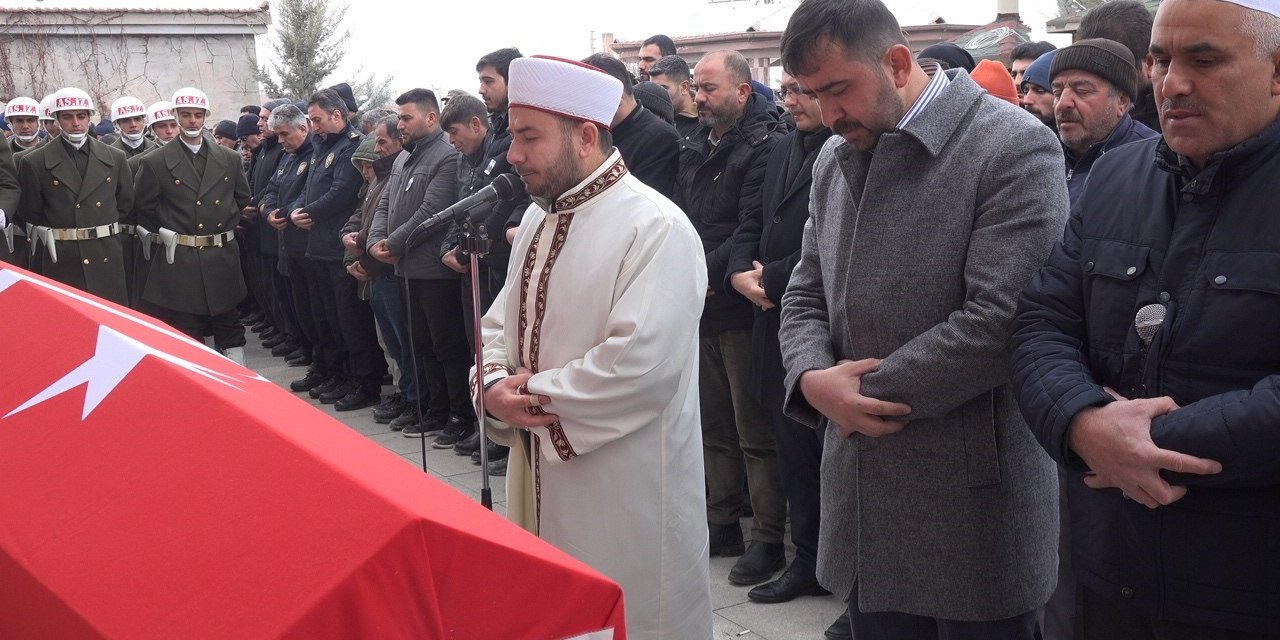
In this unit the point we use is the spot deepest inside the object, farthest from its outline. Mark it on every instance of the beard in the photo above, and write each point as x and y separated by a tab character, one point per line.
887	113
561	174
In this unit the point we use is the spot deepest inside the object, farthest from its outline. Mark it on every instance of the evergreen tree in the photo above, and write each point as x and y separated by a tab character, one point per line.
309	43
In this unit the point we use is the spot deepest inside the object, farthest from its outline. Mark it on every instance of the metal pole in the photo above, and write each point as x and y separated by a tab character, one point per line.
476	247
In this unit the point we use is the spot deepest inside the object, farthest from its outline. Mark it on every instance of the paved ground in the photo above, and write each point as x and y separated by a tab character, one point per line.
736	617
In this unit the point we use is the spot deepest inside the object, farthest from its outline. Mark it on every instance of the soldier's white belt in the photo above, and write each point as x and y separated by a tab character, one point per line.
48	235
172	240
128	229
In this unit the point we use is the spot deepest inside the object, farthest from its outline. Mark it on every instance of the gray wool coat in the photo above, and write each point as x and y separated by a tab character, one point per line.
916	255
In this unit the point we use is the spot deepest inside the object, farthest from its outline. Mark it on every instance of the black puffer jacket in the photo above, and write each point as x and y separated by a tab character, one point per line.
1149	229
266	158
716	188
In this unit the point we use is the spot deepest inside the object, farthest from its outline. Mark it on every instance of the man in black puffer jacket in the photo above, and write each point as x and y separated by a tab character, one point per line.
1146	353
720	174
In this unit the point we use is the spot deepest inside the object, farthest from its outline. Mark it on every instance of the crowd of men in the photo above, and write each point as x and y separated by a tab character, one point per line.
882	237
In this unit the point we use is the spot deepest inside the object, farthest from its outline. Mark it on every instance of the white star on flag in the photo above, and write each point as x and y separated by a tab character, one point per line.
114	357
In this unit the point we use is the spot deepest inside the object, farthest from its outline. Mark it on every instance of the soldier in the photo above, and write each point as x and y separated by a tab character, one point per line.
75	192
51	128
189	197
161	122
130	117
23	116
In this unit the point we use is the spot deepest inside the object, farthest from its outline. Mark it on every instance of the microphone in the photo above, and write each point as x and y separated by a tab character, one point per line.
1147	322
505	188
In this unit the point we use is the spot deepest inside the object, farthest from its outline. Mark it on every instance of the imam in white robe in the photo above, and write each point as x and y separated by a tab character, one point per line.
602	301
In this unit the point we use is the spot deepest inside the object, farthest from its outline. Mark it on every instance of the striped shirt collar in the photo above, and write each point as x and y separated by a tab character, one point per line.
931	91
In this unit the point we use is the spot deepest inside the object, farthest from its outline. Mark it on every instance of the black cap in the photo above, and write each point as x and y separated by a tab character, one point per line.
226	129
348	96
950	53
1104	58
247	126
655	99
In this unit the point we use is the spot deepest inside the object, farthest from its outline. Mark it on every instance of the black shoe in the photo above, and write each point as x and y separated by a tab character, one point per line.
252	318
269	334
726	540
498	467
456	431
409	418
259	326
468	446
792	584
415	430
298	358
339	392
284	349
759	563
330	383
841	629
357	399
496	452
390	409
274	341
312	380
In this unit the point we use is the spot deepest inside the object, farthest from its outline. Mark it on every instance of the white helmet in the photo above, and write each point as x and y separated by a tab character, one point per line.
22	107
127	107
46	107
71	99
159	112
190	97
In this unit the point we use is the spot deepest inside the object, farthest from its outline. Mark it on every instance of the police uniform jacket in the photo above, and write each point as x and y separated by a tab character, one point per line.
173	194
56	194
284	192
332	191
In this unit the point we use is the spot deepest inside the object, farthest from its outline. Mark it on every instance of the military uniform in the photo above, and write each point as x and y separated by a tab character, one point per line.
16	148
188	205
75	201
133	261
14	234
129	152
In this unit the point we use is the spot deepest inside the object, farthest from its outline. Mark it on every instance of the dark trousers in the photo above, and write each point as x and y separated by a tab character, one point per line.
225	327
488	291
737	437
440	344
1098	618
366	364
322	276
247	272
888	625
259	280
282	294
309	314
799	462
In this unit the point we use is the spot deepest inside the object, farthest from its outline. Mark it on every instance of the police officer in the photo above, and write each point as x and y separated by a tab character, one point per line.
130	118
23	116
75	193
348	345
189	196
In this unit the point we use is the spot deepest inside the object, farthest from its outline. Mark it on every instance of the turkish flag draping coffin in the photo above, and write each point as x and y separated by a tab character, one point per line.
150	488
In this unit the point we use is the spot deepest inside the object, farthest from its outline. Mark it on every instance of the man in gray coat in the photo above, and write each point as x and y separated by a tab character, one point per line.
931	208
423	182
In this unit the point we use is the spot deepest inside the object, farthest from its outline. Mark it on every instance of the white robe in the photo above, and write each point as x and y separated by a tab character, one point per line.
602	301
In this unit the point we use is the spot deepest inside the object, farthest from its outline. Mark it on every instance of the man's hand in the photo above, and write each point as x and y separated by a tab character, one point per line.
357	271
511	235
1115	441
249	213
382	253
751	285
509	400
351	242
301	219
834	393
450	260
276	220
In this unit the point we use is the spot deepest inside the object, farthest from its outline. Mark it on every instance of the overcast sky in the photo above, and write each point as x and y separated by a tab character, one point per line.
436	44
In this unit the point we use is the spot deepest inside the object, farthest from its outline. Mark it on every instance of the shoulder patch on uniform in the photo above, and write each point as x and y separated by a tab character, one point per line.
354	135
328	162
302	166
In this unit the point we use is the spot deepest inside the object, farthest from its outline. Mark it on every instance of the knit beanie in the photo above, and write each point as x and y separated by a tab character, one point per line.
1104	58
226	129
247	126
992	76
1037	72
365	152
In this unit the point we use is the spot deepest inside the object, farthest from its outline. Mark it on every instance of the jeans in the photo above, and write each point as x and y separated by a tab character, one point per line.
387	301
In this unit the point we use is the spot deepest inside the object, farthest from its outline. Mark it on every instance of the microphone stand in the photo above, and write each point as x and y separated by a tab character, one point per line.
475	241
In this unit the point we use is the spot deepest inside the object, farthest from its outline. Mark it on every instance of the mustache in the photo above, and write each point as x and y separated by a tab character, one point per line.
1070	115
1183	103
842	126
